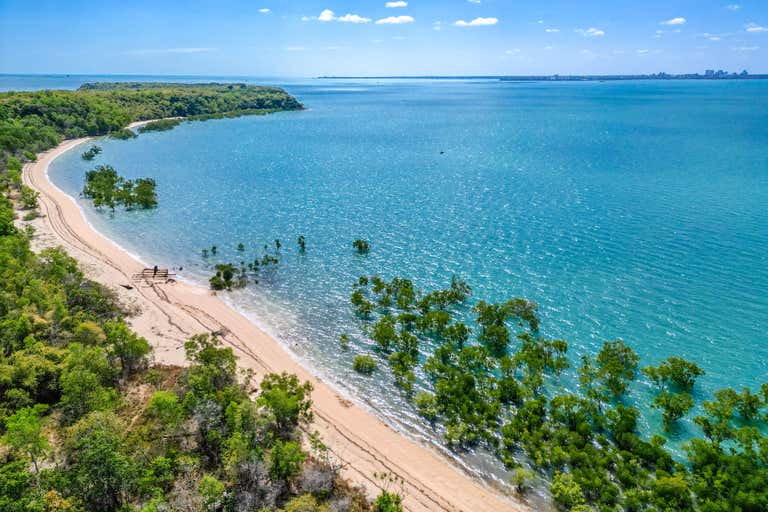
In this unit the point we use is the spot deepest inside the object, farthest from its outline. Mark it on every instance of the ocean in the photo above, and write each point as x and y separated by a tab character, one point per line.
626	210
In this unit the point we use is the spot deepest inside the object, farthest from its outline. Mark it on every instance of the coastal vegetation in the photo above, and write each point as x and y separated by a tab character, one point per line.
91	152
362	246
89	423
495	381
106	188
364	364
123	134
161	125
31	122
229	276
28	198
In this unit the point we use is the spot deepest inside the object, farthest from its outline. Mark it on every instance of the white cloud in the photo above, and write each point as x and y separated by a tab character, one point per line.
714	38
353	18
552	30
746	48
438	25
477	22
754	28
674	21
395	20
549	47
394	5
733	7
475	1
513	51
265	10
642	51
591	32
328	15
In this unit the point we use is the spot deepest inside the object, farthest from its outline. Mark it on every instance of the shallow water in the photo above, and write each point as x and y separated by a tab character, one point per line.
633	210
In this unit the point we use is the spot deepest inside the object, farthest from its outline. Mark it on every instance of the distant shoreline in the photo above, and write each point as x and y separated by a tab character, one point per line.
560	78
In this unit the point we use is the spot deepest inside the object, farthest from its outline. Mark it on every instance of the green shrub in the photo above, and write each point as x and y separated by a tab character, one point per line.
160	125
304	503
91	153
106	188
388	502
362	246
364	364
427	405
123	134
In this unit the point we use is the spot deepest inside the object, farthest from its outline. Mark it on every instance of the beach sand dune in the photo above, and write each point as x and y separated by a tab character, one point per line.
168	314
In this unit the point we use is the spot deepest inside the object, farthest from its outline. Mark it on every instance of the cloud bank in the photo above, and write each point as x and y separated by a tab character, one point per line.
395	20
328	15
477	22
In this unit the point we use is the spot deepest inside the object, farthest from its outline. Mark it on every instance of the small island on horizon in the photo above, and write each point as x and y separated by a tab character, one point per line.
709	74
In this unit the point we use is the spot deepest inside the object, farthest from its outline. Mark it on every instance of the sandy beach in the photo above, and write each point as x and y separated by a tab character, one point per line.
168	314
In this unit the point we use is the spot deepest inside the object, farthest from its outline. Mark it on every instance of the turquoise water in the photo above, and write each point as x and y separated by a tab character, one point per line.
626	210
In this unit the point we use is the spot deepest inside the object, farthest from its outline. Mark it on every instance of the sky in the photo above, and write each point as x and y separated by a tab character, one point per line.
306	38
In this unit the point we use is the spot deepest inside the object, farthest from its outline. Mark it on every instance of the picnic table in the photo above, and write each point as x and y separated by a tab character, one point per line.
151	275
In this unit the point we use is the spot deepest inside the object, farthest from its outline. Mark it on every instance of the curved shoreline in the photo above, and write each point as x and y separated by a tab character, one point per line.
170	313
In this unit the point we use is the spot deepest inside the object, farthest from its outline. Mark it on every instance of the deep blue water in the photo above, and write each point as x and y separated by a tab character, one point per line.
632	210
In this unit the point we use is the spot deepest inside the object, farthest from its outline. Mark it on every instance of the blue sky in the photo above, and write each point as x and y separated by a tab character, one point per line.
366	37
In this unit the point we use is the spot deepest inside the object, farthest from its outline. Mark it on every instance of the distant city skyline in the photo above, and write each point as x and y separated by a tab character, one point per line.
306	38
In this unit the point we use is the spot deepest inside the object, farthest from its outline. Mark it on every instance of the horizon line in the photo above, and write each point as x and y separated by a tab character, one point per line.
395	76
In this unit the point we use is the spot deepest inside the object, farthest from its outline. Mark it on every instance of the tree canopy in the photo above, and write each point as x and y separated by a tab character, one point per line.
496	382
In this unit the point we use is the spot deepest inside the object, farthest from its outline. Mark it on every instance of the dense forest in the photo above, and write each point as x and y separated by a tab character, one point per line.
497	382
31	122
88	422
